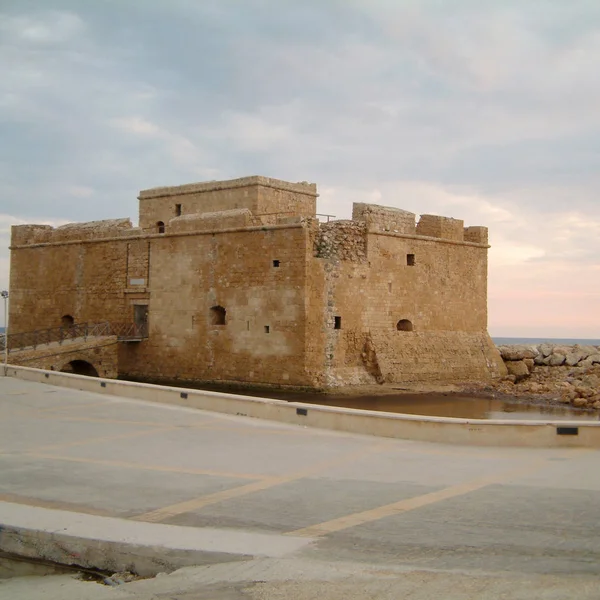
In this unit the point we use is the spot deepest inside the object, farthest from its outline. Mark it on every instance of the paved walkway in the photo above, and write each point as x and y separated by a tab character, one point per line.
391	516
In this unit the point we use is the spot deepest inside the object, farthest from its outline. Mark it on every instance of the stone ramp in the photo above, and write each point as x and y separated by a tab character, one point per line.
443	356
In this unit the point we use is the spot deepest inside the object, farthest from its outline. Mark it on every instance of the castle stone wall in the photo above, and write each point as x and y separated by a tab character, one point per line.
100	352
247	286
259	195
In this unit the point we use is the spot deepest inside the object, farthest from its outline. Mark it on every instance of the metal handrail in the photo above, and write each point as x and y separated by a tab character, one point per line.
43	337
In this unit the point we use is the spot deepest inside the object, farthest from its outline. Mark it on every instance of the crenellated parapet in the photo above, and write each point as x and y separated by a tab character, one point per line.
384	218
27	235
441	227
476	235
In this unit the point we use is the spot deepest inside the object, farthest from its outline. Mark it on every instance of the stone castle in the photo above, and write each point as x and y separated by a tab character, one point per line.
239	281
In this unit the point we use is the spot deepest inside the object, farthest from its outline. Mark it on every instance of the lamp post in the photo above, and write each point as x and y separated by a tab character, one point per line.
4	294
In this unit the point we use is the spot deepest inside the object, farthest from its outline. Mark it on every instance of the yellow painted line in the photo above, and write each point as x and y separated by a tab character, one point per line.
145	467
396	508
162	514
101	440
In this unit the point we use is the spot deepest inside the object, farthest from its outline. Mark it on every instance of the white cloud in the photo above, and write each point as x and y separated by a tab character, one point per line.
482	111
43	27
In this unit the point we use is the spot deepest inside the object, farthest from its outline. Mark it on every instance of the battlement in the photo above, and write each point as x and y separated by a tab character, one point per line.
395	220
384	218
441	227
25	235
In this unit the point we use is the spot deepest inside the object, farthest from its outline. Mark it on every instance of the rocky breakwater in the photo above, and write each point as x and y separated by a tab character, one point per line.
568	374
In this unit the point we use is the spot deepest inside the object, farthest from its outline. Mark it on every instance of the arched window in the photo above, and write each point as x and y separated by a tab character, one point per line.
67	321
160	226
217	315
404	325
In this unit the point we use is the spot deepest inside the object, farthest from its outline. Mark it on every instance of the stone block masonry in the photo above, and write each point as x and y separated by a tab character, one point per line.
239	282
96	356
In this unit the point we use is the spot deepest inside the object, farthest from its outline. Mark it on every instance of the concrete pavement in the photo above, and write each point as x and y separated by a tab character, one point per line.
376	514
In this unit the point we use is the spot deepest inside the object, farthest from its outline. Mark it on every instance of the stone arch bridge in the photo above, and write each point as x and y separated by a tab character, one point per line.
87	349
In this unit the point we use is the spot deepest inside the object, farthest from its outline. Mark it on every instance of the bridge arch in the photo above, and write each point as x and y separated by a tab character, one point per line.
80	367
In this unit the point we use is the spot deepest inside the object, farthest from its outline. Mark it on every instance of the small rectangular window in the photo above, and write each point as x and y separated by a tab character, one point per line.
337	322
410	260
267	329
178	210
276	263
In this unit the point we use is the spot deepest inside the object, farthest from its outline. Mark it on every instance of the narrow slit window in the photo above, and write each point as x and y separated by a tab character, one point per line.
410	260
267	329
178	210
337	322
160	226
276	263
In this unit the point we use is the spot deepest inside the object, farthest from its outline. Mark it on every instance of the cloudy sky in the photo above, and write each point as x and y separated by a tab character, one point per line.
484	110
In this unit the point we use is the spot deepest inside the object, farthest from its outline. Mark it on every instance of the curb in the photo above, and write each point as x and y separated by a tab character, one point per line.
114	545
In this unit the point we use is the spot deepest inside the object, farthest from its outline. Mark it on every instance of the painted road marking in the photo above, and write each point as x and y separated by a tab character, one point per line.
162	514
396	508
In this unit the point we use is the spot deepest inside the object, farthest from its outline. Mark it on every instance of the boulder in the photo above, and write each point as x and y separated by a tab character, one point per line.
586	364
579	402
568	396
539	359
564	350
546	349
592	381
594	358
518	352
556	360
517	368
587	350
530	363
574	358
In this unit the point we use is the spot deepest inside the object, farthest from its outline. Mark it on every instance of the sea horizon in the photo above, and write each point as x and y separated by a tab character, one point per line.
499	341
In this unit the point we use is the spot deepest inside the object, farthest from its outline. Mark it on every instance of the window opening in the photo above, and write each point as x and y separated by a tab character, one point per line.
160	226
337	322
178	210
217	315
67	321
404	325
267	329
276	263
410	260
